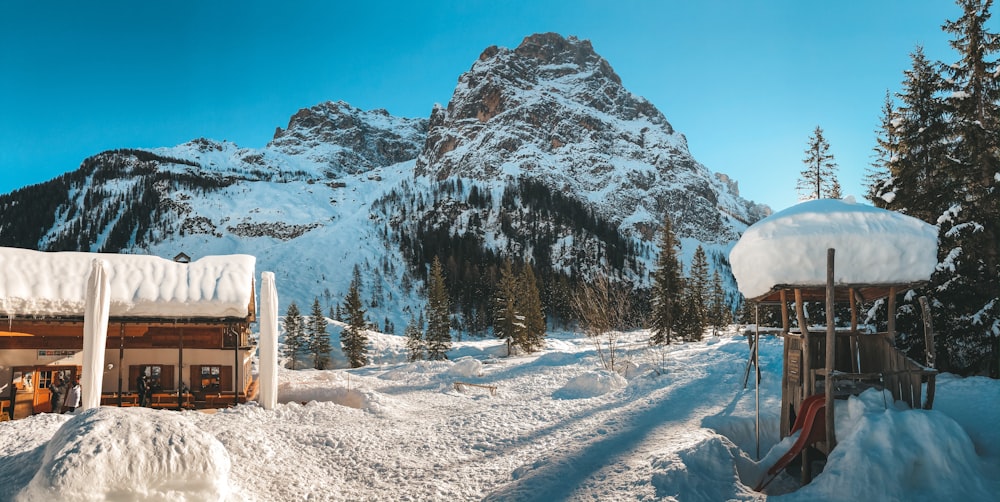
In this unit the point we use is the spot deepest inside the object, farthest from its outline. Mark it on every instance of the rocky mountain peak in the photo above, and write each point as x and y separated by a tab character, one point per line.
554	110
346	139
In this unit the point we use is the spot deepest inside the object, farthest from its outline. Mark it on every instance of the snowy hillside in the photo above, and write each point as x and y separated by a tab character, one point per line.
679	425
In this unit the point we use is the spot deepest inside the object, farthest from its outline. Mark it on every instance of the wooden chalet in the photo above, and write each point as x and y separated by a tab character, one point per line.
822	366
185	326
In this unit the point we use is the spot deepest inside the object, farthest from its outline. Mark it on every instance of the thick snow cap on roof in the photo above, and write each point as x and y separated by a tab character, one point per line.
873	246
34	283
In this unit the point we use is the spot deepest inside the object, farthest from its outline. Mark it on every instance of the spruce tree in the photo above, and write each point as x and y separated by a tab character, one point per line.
295	335
969	235
718	312
319	340
667	287
820	173
531	308
697	289
877	174
415	345
354	337
438	334
508	322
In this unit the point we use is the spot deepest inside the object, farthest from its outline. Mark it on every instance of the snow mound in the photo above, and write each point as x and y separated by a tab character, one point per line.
466	367
890	454
327	386
591	384
873	246
130	454
703	471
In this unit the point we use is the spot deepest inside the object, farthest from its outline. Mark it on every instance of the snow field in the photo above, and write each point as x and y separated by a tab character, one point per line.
400	431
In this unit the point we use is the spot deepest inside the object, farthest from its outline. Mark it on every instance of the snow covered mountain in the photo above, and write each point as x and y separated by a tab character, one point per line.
541	155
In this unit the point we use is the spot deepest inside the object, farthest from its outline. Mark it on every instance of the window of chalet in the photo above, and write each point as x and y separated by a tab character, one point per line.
211	378
158	377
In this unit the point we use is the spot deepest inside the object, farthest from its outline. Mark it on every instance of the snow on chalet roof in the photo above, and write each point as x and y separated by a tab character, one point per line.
873	247
42	284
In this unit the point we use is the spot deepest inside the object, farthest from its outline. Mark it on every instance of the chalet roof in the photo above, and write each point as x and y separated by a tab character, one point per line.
43	284
875	249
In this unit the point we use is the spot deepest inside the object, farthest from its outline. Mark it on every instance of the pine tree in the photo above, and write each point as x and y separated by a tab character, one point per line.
319	340
438	334
886	148
415	339
697	289
508	322
667	287
295	335
354	338
970	227
718	313
531	309
918	160
820	173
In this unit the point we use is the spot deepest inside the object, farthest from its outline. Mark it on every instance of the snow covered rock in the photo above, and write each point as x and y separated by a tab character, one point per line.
130	454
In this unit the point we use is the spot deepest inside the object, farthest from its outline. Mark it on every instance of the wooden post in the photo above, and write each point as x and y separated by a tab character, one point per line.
891	309
931	352
831	353
785	323
121	360
806	375
800	313
786	401
854	310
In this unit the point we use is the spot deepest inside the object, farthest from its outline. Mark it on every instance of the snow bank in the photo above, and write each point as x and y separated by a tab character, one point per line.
55	284
890	454
591	384
130	454
303	386
704	471
873	246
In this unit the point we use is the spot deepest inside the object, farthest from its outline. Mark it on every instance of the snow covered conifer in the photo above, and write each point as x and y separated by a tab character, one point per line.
438	334
718	311
531	309
666	287
415	338
508	322
353	339
969	247
295	336
319	340
820	171
697	295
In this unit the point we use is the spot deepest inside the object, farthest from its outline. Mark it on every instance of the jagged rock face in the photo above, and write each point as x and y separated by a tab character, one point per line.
347	140
554	109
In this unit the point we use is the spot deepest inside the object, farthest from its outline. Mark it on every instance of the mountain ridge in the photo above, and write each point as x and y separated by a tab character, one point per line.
552	161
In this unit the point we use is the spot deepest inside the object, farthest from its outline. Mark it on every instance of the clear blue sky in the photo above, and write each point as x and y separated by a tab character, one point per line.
745	81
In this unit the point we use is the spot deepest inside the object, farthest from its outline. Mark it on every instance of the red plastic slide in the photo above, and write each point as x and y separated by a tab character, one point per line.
812	421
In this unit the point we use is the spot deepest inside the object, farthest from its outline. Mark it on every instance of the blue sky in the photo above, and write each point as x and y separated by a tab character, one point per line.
745	81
